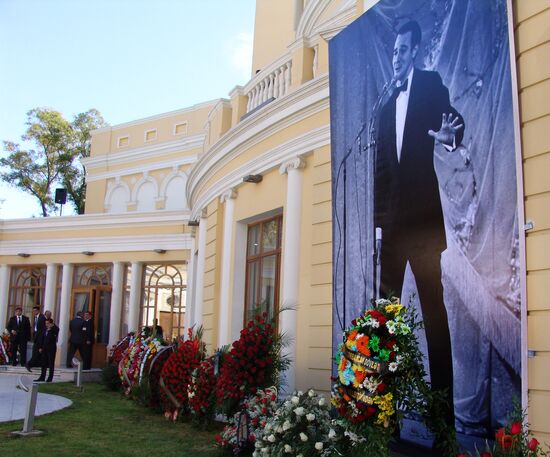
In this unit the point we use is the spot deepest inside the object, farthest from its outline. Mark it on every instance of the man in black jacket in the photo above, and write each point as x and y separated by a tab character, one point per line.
76	340
417	115
89	339
38	330
20	332
48	349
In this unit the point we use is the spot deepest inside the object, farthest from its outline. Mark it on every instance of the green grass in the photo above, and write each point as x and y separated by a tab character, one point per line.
105	423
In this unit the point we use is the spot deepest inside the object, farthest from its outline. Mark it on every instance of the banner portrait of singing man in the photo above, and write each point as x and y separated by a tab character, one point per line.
425	202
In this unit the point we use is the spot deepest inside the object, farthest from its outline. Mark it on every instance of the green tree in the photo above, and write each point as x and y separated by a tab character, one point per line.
58	146
73	175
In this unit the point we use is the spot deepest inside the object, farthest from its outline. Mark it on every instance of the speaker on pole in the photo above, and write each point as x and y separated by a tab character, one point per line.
61	196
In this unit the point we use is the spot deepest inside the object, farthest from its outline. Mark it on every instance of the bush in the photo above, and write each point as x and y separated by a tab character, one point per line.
110	378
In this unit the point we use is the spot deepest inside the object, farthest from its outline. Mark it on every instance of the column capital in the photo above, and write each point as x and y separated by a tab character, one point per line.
296	163
229	194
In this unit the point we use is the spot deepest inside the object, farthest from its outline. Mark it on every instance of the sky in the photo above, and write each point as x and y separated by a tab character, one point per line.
129	59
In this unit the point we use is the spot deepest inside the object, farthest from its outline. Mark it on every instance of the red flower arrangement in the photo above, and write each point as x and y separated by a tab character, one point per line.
202	389
117	351
254	362
514	440
176	374
155	369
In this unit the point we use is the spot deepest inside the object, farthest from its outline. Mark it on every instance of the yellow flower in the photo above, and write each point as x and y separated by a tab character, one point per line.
395	309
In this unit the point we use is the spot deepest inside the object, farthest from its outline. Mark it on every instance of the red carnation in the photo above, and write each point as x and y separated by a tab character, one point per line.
515	428
533	444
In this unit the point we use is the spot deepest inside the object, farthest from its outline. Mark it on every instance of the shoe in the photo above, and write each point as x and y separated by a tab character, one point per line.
28	367
49	380
39	380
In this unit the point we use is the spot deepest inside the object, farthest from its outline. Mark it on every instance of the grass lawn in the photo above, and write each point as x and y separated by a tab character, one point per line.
105	423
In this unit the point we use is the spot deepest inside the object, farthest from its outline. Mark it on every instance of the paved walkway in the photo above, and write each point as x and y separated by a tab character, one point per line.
13	401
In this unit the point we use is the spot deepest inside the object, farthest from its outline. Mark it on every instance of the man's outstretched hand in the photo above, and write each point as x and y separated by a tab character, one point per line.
449	127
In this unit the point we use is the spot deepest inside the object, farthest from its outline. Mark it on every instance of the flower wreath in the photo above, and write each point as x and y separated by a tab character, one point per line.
369	360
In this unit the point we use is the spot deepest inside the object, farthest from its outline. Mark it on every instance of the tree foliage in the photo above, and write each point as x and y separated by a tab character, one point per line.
56	147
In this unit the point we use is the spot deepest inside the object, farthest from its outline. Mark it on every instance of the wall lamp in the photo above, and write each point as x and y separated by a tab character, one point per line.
23	254
193	223
88	252
160	251
255	179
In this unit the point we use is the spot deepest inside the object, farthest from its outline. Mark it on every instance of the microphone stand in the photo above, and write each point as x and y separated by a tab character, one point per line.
343	168
371	145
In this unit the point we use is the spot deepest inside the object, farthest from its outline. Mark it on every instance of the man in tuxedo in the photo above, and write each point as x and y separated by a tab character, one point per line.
76	340
416	117
89	339
38	328
47	350
19	327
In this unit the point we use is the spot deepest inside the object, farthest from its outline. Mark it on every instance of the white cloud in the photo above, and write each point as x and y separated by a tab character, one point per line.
238	51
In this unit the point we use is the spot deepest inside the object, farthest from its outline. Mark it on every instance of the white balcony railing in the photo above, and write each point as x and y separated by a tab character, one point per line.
274	84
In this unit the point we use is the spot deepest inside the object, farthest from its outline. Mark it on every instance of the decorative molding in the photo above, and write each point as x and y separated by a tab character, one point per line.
300	104
155	117
310	26
146	133
270	159
138	170
94	221
229	194
98	244
143	153
295	163
145	179
111	188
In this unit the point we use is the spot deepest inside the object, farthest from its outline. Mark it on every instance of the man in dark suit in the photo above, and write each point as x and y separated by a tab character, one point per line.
38	328
19	327
76	340
417	116
89	339
48	349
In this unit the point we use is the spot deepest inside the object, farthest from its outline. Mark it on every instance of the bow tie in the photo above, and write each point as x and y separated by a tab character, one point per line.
401	88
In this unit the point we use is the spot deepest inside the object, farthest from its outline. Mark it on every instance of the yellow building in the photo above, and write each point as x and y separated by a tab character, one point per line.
194	216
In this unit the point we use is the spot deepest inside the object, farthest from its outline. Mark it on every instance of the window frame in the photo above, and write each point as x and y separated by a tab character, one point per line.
250	259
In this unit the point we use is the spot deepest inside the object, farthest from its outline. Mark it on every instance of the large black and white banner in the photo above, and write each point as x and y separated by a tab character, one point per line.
424	159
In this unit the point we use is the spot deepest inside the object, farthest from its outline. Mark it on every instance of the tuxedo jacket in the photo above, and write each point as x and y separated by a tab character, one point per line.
23	329
88	330
407	191
77	334
40	321
48	342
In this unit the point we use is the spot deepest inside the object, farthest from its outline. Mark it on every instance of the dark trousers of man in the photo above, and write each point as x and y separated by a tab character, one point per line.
36	358
423	251
73	347
21	346
48	363
87	350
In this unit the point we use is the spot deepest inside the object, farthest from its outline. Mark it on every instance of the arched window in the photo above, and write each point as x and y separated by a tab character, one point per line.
27	286
164	297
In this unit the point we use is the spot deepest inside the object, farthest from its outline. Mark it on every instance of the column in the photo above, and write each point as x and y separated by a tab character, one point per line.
64	312
201	260
4	295
228	199
135	296
51	288
291	262
190	290
116	302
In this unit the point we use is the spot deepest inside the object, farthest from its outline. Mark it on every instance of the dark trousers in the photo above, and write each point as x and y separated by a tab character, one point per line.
87	355
21	346
73	347
36	358
423	251
48	363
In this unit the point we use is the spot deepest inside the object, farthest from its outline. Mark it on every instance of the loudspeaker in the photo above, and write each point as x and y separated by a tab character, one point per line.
61	196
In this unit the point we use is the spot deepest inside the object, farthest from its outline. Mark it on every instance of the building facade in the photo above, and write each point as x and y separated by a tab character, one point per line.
202	215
